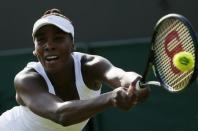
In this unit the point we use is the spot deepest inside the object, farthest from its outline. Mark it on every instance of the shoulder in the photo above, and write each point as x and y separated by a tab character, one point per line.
95	66
28	82
26	78
24	75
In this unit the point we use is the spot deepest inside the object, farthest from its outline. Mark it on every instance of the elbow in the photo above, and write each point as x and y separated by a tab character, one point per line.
63	119
67	116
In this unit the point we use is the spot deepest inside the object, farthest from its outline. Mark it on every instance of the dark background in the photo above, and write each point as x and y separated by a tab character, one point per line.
94	20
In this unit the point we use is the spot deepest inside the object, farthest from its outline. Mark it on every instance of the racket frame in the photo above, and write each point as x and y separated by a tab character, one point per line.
151	62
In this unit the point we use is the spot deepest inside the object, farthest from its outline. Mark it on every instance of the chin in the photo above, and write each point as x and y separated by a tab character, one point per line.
53	68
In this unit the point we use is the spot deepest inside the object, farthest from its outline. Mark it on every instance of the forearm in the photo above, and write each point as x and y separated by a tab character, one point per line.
120	78
76	111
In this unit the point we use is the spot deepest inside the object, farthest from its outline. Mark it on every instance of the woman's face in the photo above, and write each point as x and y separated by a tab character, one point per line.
53	47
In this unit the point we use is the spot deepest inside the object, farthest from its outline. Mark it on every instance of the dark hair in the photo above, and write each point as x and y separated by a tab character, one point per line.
56	12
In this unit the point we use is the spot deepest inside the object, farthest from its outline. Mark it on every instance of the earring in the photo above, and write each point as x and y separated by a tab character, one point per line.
34	53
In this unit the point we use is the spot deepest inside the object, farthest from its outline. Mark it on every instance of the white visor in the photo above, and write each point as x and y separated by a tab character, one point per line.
57	21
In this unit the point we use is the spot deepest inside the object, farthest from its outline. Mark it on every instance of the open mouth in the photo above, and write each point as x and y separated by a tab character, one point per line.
52	58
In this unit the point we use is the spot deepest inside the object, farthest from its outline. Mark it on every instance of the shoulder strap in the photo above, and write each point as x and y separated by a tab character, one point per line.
39	68
83	91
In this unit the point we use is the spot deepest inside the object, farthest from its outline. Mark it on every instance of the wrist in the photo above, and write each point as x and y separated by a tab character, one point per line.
112	99
109	99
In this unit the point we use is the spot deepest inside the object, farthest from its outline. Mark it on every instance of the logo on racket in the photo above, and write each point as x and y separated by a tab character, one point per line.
173	35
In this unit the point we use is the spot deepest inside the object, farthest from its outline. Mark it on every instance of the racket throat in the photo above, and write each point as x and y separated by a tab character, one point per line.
140	85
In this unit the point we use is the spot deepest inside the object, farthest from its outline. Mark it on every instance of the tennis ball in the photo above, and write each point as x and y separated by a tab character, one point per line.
184	61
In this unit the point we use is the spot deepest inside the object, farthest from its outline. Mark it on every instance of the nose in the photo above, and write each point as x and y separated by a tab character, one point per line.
49	46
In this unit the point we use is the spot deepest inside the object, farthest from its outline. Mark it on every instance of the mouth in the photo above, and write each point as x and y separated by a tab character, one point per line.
51	58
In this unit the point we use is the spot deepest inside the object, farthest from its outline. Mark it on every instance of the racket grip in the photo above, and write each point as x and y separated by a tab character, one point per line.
139	85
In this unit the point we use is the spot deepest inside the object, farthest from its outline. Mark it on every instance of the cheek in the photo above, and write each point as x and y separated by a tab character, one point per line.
38	52
67	48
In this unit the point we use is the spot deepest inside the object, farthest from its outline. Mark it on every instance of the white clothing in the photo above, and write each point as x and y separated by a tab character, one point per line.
20	118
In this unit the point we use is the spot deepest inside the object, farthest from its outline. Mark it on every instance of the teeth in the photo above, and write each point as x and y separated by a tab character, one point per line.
51	57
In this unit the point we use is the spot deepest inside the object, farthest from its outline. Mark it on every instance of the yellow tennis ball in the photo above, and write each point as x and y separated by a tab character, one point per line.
184	61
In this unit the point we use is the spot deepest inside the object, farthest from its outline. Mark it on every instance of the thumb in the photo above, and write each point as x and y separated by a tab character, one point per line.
132	86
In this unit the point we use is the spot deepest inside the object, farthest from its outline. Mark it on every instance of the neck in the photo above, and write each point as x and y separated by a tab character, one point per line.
65	75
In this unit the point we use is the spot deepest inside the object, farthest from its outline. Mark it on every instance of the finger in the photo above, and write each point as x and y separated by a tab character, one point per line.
130	90
132	86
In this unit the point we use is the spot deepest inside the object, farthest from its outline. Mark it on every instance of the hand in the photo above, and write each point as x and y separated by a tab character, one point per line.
122	99
141	94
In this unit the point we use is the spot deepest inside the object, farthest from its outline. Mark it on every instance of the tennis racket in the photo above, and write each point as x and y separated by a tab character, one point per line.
173	33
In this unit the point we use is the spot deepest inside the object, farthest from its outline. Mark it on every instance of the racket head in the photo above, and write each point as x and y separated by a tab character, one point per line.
173	33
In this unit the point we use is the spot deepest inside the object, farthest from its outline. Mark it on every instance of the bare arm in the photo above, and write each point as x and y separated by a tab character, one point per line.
32	90
104	71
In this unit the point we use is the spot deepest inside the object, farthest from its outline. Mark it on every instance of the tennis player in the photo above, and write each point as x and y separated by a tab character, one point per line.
62	90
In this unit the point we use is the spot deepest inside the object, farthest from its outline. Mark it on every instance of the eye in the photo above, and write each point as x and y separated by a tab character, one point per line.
40	40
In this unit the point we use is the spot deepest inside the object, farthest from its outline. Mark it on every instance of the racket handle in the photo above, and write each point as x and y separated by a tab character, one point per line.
139	85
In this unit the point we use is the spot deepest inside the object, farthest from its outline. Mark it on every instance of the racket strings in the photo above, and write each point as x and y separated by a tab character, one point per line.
161	34
163	31
173	81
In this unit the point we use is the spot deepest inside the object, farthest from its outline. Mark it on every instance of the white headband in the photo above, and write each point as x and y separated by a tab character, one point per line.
57	21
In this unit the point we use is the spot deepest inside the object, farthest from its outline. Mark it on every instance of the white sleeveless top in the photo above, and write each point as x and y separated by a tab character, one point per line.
20	118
